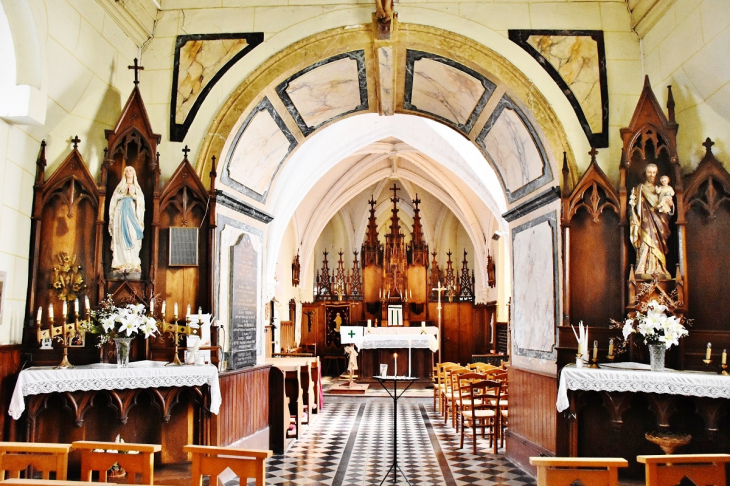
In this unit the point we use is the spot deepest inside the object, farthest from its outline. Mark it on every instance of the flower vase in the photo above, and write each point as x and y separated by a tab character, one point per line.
656	356
123	347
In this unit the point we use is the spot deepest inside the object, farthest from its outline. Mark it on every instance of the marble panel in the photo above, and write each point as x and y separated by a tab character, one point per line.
445	89
200	61
385	69
513	148
535	284
326	90
258	151
576	61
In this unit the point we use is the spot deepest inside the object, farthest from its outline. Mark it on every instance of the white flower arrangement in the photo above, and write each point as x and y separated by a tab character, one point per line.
111	321
658	325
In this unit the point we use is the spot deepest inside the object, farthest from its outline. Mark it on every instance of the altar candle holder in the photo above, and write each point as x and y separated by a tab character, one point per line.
724	370
707	362
610	357
579	360
594	363
174	330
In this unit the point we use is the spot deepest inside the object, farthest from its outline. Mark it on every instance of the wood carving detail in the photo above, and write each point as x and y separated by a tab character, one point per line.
709	185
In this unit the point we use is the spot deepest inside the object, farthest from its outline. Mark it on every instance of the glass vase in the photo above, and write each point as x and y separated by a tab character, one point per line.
656	356
123	347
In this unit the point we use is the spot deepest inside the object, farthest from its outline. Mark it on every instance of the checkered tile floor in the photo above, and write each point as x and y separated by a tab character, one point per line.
351	443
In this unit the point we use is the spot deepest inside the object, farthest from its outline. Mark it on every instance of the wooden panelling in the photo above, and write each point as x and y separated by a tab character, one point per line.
9	369
245	407
532	418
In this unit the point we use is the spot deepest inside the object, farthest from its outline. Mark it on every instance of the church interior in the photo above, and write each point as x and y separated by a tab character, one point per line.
244	227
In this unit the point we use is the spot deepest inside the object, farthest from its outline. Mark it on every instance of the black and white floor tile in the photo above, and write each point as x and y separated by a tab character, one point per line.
350	443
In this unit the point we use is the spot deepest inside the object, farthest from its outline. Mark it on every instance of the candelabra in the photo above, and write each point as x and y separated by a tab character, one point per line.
64	333
175	330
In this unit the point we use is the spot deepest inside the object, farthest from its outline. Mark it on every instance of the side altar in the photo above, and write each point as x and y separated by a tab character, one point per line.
411	349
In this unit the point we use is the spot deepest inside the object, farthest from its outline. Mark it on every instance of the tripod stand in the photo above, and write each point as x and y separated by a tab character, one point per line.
395	396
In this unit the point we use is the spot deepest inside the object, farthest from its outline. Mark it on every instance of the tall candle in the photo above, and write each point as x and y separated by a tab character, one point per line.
87	304
370	322
164	308
610	347
595	350
724	356
175	311
709	351
40	314
64	309
188	314
152	306
580	352
395	360
50	312
200	313
76	305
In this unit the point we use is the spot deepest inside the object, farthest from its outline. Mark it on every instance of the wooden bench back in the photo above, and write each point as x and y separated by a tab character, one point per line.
16	457
212	461
704	469
134	458
566	471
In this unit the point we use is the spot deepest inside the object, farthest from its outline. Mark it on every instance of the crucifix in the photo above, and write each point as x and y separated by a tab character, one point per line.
76	141
185	151
439	289
137	68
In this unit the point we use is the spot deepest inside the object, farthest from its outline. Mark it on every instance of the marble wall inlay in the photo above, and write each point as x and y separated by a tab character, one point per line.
535	287
200	61
512	146
326	90
259	149
576	61
386	72
445	89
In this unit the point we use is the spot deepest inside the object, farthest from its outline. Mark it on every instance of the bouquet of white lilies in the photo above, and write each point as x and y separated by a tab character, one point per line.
658	325
111	321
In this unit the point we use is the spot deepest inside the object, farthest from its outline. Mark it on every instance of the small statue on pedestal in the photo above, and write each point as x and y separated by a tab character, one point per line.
352	355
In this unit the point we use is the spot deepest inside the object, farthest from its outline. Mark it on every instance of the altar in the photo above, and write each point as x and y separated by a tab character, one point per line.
146	402
620	403
414	347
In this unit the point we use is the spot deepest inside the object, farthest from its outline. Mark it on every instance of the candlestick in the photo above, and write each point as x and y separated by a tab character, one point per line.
709	351
40	314
595	350
50	312
164	308
724	356
610	347
175	311
64	309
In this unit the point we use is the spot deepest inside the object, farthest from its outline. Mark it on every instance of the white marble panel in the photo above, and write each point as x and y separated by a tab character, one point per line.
444	90
258	153
326	91
385	64
534	288
575	58
513	151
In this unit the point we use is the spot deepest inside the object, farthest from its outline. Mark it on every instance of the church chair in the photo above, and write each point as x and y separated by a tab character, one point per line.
133	458
464	394
588	471
483	367
450	394
212	461
482	412
440	382
701	469
503	410
46	458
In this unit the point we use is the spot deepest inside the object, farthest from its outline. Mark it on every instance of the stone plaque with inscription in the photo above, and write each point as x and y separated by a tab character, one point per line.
244	304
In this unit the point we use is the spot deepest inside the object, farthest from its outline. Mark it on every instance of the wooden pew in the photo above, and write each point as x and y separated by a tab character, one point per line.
134	458
18	456
212	461
279	415
698	468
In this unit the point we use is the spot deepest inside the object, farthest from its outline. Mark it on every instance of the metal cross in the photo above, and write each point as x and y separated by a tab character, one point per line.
185	151
76	141
137	68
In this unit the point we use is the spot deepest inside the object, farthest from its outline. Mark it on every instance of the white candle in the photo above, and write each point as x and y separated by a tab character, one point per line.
64	309
40	314
175	311
395	360
188	314
580	352
50	312
724	356
610	347
152	306
164	308
87	304
709	351
76	305
423	324
370	322
595	350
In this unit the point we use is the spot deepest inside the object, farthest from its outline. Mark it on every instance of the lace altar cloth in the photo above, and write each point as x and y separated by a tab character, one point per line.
400	337
102	376
635	377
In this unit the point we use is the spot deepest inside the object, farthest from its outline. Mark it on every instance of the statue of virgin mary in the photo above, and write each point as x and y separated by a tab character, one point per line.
126	223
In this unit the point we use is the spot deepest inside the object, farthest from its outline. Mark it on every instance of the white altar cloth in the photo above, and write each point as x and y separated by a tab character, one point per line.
102	376
394	337
635	377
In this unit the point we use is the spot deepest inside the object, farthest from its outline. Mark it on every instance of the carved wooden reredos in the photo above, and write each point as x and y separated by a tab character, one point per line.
599	278
71	216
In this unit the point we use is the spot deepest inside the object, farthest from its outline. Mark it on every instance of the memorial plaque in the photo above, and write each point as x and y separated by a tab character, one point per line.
244	303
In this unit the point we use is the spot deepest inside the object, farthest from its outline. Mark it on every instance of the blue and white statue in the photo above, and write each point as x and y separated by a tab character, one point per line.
126	214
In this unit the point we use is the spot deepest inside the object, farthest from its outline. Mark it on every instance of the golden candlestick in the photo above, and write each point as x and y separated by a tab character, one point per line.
175	330
610	357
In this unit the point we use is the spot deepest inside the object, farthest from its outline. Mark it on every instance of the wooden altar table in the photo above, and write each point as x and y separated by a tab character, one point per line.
102	401
621	402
